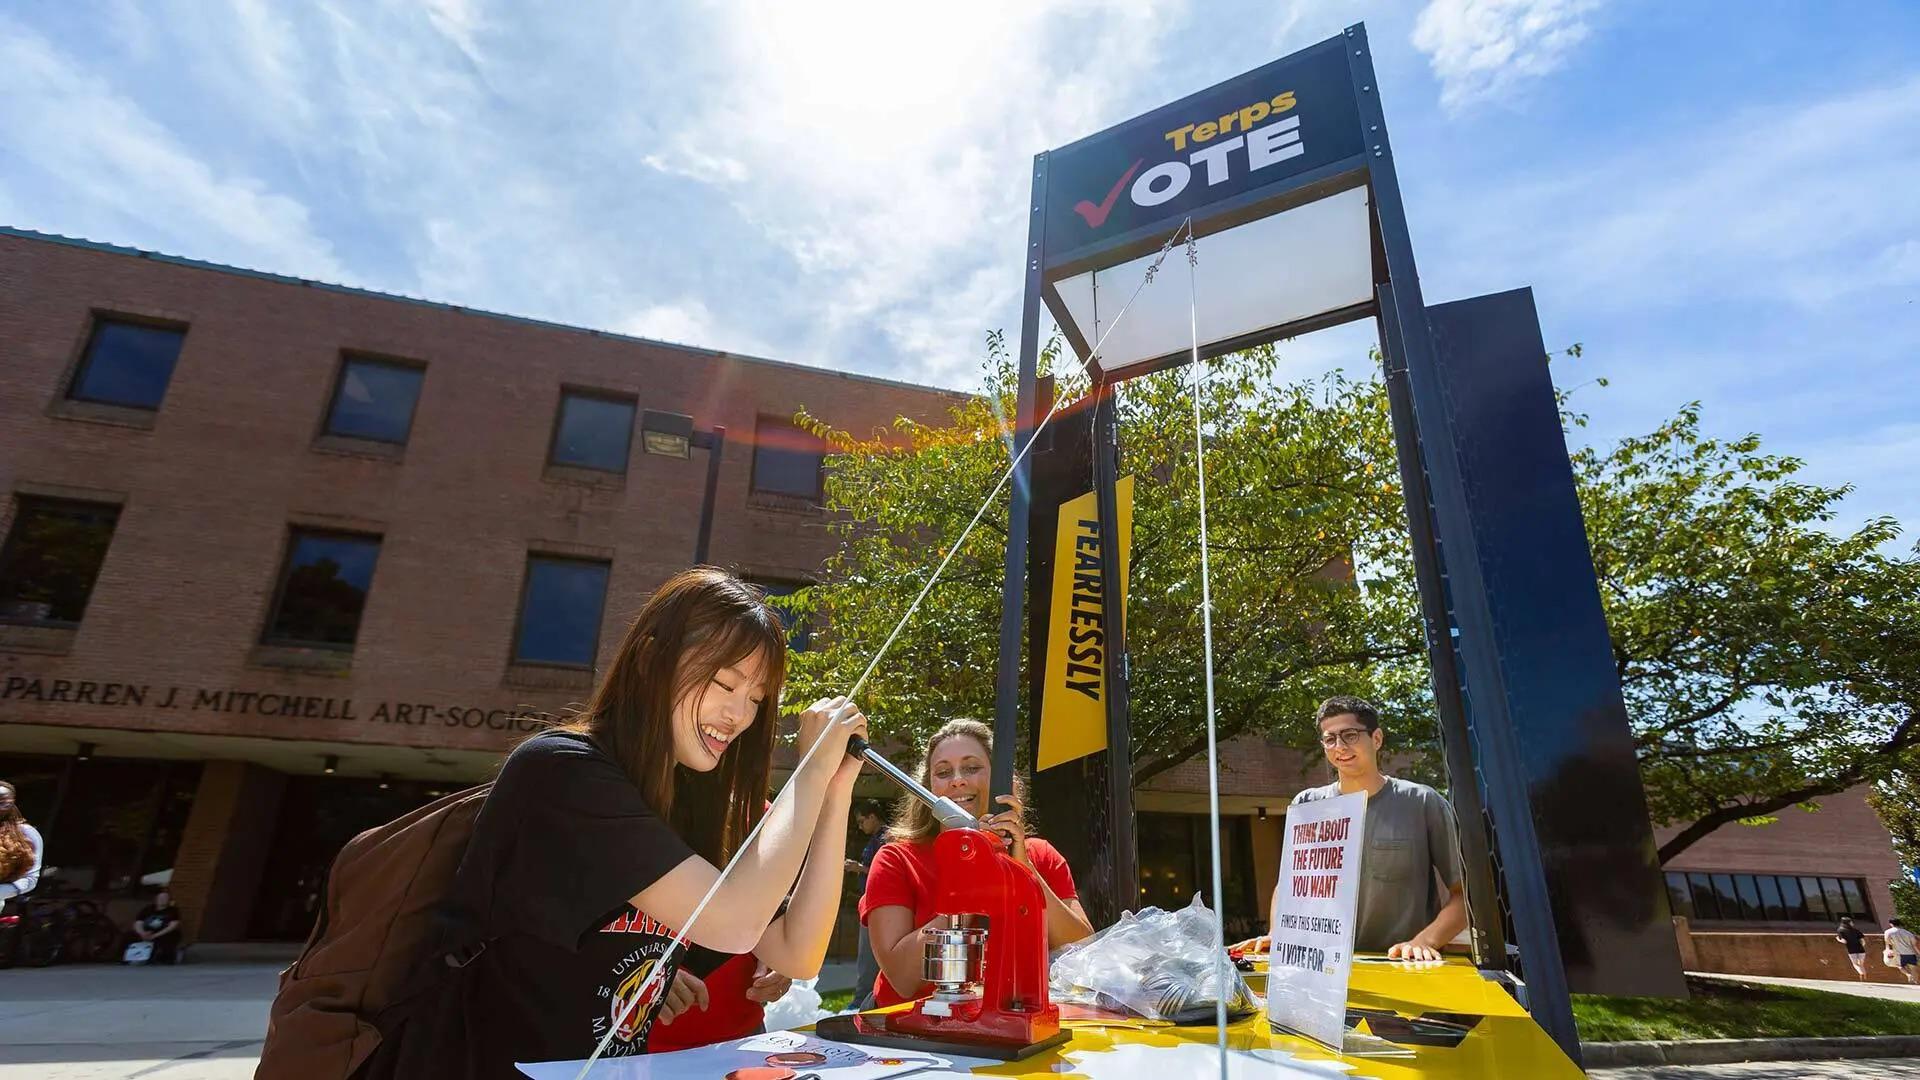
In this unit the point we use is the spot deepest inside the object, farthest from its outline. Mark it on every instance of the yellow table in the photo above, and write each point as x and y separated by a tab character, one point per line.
1505	1043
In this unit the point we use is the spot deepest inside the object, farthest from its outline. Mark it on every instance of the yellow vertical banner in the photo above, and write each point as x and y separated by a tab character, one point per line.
1073	704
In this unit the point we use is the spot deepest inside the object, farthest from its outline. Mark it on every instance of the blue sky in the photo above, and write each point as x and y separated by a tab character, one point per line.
1720	200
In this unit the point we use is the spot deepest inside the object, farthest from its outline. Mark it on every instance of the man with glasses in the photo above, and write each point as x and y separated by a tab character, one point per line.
1411	898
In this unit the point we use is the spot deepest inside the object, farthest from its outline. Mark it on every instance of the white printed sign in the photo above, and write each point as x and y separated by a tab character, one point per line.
1312	930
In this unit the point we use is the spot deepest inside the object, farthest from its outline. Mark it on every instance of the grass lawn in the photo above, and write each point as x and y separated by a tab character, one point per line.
837	1001
1726	1010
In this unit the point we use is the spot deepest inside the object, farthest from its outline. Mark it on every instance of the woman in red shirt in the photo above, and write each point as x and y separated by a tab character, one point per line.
898	903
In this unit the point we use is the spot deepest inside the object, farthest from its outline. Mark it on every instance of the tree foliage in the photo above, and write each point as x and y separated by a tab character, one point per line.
1767	658
1897	799
1301	489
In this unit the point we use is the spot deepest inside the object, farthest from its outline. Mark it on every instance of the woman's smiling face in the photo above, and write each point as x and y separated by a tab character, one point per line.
961	769
708	718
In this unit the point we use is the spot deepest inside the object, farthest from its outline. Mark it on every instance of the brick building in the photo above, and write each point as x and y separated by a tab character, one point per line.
1764	899
283	560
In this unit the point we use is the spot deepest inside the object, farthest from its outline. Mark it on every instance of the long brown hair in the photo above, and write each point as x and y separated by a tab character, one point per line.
699	621
913	820
16	854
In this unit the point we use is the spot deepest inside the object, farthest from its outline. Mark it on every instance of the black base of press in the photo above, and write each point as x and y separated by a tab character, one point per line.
870	1029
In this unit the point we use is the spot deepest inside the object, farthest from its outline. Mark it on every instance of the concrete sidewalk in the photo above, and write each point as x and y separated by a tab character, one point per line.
104	1022
1884	991
205	1019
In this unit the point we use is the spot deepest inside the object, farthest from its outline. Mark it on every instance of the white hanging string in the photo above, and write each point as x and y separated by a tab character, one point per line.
660	965
1220	966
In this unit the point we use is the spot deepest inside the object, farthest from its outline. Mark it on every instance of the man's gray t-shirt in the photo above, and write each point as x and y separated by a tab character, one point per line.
1410	865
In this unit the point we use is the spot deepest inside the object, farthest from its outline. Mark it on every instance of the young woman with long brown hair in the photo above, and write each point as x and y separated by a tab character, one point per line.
899	900
600	837
21	849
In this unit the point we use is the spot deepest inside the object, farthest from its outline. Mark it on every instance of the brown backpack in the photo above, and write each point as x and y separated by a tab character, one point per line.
364	957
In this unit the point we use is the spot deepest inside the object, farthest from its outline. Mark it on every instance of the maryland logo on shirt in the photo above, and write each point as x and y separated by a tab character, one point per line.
627	1012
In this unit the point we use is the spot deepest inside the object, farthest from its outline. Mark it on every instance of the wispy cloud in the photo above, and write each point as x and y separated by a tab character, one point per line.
1484	48
1800	206
879	144
125	176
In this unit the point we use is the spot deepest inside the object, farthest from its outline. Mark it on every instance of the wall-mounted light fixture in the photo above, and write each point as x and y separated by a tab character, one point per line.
331	764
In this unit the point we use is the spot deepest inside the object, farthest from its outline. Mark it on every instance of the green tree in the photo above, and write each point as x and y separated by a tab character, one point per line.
1302	489
1766	660
1897	799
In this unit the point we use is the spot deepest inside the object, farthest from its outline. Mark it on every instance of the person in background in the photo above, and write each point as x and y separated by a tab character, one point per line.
1906	948
159	925
1850	936
899	900
1412	900
868	819
21	849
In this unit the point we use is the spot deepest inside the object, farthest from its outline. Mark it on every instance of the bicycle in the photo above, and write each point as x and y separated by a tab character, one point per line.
47	929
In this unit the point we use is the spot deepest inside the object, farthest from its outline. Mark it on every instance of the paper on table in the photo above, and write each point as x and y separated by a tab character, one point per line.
841	1061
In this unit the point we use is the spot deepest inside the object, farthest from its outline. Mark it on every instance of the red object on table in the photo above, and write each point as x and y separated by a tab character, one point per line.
978	877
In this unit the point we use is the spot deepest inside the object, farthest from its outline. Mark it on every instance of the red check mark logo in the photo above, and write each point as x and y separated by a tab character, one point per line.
1097	215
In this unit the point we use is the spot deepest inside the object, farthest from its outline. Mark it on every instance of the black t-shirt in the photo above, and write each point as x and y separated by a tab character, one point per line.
154	919
562	843
1856	941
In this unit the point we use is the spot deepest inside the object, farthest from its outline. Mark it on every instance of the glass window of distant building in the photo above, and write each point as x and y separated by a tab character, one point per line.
127	363
51	558
593	431
374	399
1766	897
560	609
787	460
323	588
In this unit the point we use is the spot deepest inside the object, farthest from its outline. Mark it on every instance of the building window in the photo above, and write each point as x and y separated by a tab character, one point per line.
560	609
51	558
593	431
1174	865
786	459
1766	897
374	399
323	589
127	364
799	628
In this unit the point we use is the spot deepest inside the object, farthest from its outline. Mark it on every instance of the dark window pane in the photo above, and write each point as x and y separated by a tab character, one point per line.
786	460
799	630
1770	897
593	433
1816	899
1749	897
560	613
1679	896
52	556
323	588
1792	899
1836	898
374	401
1727	895
1856	898
127	364
1704	902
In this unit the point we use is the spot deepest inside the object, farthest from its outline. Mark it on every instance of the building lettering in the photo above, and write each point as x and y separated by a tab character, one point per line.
122	695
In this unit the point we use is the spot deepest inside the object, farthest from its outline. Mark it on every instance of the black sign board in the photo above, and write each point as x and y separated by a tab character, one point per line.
1278	122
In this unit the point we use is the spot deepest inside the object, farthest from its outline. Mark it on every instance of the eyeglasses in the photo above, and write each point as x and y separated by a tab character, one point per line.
1347	737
